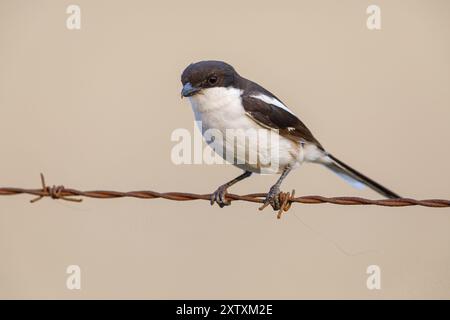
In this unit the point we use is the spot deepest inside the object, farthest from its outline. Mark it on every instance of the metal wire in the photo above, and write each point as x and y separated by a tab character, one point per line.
286	198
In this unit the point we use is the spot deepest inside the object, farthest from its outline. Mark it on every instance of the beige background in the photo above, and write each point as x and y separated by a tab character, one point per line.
94	109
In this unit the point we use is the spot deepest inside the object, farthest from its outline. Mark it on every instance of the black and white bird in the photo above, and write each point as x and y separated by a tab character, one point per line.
222	99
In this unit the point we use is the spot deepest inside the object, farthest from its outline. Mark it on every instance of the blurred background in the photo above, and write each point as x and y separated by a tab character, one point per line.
95	108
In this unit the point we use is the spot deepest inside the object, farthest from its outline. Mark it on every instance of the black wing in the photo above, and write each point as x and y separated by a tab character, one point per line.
273	117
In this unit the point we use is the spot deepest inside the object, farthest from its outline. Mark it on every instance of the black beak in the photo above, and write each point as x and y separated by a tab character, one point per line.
189	90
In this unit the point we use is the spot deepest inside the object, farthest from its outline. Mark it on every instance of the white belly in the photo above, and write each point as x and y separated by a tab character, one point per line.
220	111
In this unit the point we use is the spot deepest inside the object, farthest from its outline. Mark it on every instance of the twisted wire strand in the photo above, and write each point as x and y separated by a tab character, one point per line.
286	198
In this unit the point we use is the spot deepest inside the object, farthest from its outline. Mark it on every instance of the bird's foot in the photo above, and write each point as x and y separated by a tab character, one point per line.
272	198
219	196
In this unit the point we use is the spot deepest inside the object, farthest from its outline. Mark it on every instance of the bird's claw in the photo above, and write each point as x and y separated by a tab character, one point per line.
219	197
272	198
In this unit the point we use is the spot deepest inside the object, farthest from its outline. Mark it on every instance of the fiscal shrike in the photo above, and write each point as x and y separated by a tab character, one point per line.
222	99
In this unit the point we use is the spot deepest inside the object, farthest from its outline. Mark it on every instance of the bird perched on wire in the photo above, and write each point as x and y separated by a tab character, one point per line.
222	99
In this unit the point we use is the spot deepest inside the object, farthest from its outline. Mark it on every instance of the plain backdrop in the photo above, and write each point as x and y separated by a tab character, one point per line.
95	108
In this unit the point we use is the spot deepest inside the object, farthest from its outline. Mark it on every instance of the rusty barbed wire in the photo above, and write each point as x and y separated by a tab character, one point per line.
286	198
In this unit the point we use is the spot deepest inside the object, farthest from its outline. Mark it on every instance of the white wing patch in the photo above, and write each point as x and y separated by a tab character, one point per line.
272	101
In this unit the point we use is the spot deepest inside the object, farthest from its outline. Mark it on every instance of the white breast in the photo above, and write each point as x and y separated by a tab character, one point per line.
221	109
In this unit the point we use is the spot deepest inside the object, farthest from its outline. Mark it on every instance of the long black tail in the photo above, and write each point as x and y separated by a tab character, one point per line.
355	177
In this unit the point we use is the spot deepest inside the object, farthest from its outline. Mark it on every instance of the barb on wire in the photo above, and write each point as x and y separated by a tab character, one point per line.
55	192
286	198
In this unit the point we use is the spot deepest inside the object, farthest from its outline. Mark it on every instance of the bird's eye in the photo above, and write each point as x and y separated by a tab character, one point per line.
212	80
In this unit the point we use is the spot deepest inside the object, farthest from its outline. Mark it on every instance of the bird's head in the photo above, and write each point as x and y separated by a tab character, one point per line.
206	74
